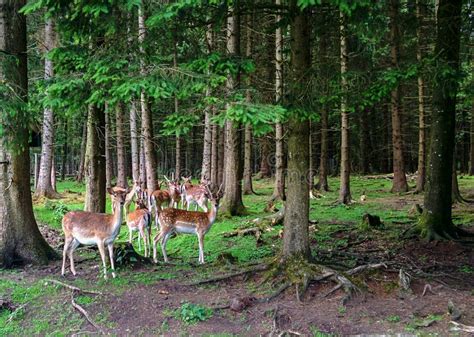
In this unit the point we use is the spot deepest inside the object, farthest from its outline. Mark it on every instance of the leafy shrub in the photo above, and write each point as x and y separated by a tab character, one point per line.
193	313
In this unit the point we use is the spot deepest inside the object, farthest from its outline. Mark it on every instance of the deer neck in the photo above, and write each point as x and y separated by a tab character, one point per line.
117	219
212	214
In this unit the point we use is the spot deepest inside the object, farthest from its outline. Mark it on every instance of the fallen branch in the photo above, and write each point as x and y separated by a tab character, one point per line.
76	290
461	327
14	313
84	313
73	288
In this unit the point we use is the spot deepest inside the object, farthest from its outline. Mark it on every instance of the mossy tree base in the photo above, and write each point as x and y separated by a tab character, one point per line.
430	227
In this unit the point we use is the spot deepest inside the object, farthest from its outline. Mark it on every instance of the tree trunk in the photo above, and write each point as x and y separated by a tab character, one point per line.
207	152
364	141
80	171
345	189
178	159
134	143
232	202
436	220
420	181
95	161
214	155
109	169
147	122
295	232
248	188
142	164
65	153
221	156
471	155
265	170
399	178
44	186
20	240
121	154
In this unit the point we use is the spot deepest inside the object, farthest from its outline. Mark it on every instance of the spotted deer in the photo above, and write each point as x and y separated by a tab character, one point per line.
89	228
194	194
173	220
133	194
140	220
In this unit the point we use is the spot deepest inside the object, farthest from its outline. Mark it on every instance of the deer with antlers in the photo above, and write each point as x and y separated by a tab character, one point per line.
90	228
173	220
140	220
194	194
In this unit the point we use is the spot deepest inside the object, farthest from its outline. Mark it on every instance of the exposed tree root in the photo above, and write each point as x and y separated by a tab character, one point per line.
75	305
297	273
254	269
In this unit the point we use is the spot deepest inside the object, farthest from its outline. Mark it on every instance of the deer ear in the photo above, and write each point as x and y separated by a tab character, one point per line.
110	190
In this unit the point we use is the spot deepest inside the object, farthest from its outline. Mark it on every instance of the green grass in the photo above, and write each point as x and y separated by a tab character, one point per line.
337	225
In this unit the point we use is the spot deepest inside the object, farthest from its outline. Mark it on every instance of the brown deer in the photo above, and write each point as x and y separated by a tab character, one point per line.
140	220
90	228
194	194
174	191
172	220
134	193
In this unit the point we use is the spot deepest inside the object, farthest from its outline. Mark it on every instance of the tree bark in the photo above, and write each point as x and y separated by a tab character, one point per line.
345	189
265	170
147	122
420	181
65	153
20	240
134	139
248	187
279	189
95	161
436	220
208	148
178	159
232	202
44	186
471	152
82	155
364	141
109	169
221	156
295	232
399	178
121	154
214	155
142	164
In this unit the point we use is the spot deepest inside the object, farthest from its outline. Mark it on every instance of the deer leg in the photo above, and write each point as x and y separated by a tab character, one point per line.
72	248
201	247
110	246
155	240
130	235
163	245
142	234
67	242
101	247
149	238
139	238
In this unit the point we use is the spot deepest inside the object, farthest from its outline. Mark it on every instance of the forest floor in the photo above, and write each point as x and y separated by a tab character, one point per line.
148	299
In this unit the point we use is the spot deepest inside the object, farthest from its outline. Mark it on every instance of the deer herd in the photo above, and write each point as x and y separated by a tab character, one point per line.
162	205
